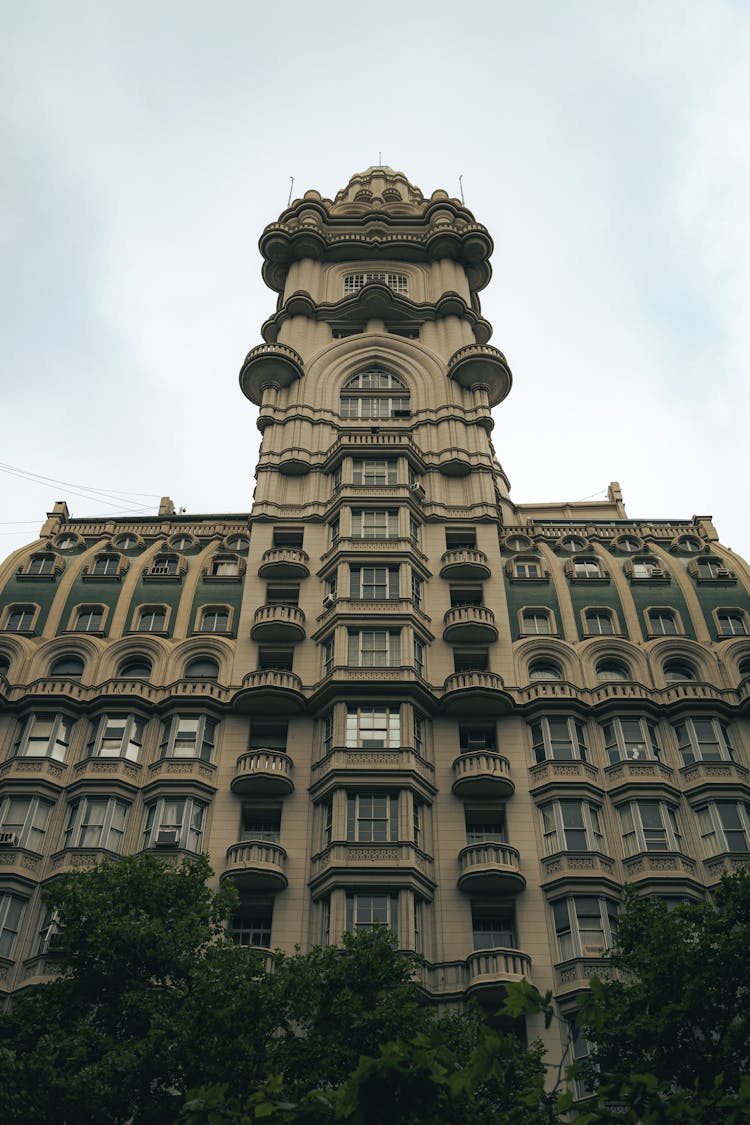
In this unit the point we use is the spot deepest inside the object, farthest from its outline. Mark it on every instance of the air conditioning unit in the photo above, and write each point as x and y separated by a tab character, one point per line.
402	413
329	599
722	573
656	572
417	488
8	840
167	838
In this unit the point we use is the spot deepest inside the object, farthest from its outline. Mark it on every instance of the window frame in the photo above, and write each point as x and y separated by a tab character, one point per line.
546	743
110	835
385	902
26	829
635	831
373	648
570	936
206	736
217	613
690	745
131	739
59	737
188	833
538	614
27	614
156	611
600	613
718	829
384	718
372	817
735	616
617	742
89	617
555	831
10	925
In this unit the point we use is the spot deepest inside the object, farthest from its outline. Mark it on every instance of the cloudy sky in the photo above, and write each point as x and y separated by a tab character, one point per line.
146	144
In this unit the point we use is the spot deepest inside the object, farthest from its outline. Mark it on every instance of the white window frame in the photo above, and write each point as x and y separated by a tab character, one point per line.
662	834
585	925
56	741
175	737
691	746
12	908
375	523
622	746
398	282
366	911
559	822
107	832
31	826
374	648
545	743
373	727
105	743
187	820
713	830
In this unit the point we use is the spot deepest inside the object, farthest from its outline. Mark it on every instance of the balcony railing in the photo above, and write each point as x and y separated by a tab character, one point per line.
263	771
256	865
482	773
491	867
278	623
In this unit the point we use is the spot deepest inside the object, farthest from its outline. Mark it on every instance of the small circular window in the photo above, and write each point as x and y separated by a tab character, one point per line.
66	542
689	544
237	543
629	544
572	543
182	542
126	542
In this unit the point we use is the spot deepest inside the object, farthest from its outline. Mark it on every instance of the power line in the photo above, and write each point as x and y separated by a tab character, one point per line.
103	496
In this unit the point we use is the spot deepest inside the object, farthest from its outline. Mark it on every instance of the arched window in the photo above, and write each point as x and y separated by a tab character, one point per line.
202	668
676	671
5	664
374	393
612	671
68	665
744	668
544	670
138	667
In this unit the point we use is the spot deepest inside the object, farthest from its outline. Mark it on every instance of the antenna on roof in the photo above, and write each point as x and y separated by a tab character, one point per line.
291	187
461	187
380	160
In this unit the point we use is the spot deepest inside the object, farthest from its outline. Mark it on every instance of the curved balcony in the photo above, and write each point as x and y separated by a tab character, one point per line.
481	365
269	365
651	867
482	773
284	562
713	776
278	623
256	865
270	689
464	562
475	693
469	624
491	969
263	772
490	867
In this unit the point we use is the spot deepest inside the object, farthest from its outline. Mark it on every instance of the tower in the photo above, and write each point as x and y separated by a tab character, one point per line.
388	694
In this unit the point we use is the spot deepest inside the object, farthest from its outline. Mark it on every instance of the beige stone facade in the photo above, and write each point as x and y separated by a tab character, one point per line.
387	693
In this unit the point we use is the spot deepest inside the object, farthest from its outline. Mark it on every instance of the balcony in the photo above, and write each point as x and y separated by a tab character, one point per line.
18	861
33	770
270	689
481	366
491	868
659	867
284	562
482	773
469	624
464	562
634	776
490	970
714	776
278	623
475	693
269	365
71	860
345	863
257	865
108	769
373	766
561	866
574	975
263	772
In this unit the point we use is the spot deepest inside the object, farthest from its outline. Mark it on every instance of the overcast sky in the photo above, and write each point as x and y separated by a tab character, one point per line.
147	144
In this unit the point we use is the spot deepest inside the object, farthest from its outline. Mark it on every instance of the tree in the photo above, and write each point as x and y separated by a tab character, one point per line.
158	1017
669	1031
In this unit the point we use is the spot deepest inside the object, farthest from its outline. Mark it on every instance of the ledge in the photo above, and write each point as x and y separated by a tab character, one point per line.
269	365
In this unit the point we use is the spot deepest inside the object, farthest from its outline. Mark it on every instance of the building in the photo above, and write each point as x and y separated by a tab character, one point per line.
388	693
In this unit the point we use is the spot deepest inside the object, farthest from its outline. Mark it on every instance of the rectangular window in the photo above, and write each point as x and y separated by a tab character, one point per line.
89	619
586	926
24	820
473	737
377	648
371	523
268	736
465	595
275	659
417	821
419	651
376	472
372	817
523	568
251	922
292	537
460	538
559	739
485	825
471	660
327	733
492	925
586	568
373	583
11	912
370	728
45	736
419	734
370	912
649	826
106	566
704	740
96	822
117	736
573	826
417	590
724	827
631	739
152	619
214	619
189	736
282	595
175	822
326	813
261	822
328	656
